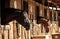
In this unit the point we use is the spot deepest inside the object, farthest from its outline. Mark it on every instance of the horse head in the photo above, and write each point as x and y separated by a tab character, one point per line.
44	21
11	14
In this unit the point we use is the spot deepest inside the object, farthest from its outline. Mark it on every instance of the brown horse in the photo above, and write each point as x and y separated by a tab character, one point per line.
44	21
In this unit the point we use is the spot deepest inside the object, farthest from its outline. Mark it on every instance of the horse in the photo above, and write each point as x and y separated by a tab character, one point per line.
43	21
20	16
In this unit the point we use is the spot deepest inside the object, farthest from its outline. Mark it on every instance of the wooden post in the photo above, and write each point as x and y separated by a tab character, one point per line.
0	35
15	3
29	9
48	13
14	22
52	15
56	16
0	32
59	29
19	31
44	32
51	29
15	30
11	3
34	27
19	4
6	32
43	7
41	10
11	30
23	33
40	28
29	34
31	29
2	26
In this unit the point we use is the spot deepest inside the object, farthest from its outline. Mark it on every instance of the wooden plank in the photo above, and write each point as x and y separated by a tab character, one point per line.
0	32
2	26
40	37
15	30
59	29
52	15
19	31
0	35
11	30
24	33
19	4
31	10
11	3
29	34
48	13
41	10
7	27
6	31
15	3
56	16
22	29
5	34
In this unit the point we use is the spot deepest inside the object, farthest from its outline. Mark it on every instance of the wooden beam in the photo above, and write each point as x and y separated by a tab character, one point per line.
11	3
19	4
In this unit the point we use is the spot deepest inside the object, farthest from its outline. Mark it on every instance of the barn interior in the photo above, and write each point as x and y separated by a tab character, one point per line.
43	15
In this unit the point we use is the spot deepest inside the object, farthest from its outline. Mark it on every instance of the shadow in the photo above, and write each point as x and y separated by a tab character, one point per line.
7	3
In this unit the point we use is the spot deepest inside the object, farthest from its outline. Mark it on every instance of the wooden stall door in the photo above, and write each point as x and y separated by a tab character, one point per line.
42	37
